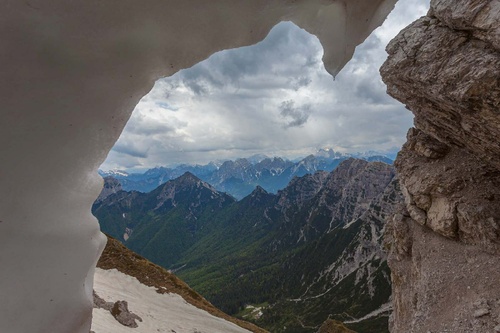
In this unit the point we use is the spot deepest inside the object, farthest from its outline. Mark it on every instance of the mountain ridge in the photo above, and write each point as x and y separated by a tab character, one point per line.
239	177
257	249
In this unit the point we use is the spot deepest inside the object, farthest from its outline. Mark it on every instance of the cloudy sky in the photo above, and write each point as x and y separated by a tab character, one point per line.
274	98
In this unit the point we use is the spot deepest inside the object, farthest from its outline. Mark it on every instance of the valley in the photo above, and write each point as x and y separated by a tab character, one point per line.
310	252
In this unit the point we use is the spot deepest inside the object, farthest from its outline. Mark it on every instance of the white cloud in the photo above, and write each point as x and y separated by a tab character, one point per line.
274	97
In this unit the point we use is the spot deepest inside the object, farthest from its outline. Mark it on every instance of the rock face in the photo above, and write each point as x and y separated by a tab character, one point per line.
445	244
122	314
111	186
444	67
119	310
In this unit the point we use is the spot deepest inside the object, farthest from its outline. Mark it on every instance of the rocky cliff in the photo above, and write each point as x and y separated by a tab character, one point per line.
111	186
445	244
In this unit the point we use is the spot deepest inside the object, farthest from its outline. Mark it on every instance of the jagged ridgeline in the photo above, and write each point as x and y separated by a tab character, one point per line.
287	261
240	177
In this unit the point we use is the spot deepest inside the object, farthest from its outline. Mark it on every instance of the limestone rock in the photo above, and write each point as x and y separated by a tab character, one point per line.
450	80
437	283
122	314
445	68
111	186
477	16
481	312
119	310
396	237
454	195
100	303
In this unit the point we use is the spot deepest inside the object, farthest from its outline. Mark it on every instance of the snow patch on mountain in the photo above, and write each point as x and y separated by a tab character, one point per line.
159	312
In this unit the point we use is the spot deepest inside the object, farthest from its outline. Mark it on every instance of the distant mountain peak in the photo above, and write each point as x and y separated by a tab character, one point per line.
188	175
259	197
238	177
188	188
188	180
259	189
254	159
111	186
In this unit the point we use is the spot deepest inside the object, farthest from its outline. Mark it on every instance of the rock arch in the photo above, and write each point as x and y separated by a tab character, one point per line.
72	71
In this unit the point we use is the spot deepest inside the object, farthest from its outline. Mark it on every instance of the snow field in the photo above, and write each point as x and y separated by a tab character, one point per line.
159	312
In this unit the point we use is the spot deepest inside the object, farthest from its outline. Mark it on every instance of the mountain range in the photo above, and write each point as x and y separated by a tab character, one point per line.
239	177
287	261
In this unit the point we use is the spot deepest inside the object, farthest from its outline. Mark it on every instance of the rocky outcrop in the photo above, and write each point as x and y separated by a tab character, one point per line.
445	242
123	315
119	310
111	186
444	67
451	191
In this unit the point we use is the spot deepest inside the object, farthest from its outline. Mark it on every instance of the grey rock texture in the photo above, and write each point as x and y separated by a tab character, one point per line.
100	303
450	79
439	284
445	242
122	314
119	310
451	191
111	186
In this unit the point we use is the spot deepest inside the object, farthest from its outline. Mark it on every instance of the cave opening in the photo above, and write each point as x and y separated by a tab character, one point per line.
274	98
72	75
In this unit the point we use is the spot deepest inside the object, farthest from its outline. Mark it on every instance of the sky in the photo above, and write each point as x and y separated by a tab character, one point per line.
273	98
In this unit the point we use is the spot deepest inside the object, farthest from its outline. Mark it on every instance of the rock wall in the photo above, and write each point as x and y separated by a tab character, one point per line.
445	251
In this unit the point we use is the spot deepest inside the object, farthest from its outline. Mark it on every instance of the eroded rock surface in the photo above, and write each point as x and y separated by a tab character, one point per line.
445	243
111	186
451	191
450	79
440	285
122	314
119	310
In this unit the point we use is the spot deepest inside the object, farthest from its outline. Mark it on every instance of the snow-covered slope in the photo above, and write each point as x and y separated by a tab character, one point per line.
162	301
167	312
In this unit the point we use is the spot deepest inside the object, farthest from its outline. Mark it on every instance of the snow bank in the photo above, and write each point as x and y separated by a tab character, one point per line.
72	72
159	312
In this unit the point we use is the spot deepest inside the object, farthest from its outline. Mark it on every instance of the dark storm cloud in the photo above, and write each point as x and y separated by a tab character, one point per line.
148	127
371	91
294	116
128	148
